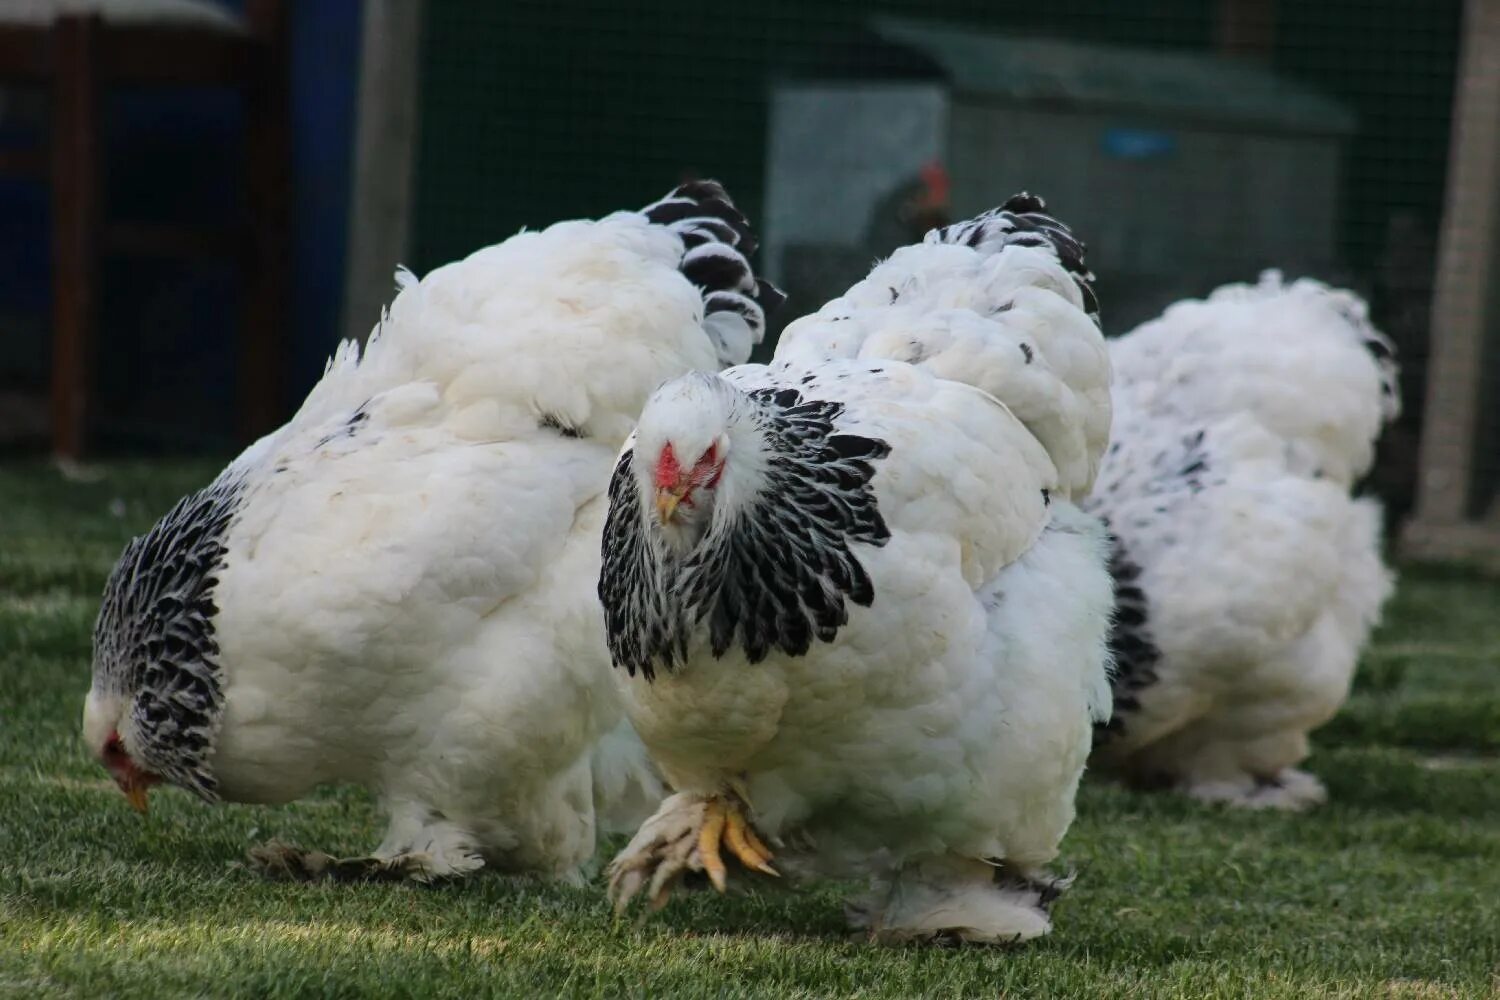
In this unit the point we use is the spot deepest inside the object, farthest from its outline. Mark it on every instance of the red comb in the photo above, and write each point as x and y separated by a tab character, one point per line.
938	183
936	179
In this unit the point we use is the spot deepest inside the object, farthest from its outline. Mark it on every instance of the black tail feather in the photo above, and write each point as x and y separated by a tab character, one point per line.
717	243
1023	221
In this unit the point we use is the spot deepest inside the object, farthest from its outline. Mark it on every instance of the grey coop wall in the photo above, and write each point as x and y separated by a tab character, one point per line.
1182	170
1170	209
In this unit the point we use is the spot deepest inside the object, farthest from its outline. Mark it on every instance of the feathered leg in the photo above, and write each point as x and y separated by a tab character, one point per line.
418	847
956	899
1290	789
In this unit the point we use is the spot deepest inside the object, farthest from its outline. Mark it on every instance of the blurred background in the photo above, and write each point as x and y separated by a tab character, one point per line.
199	199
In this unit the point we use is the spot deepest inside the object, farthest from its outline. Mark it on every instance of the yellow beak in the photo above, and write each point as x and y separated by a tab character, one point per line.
666	503
136	795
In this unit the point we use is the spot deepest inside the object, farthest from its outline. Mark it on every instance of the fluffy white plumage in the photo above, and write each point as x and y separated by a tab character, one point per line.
404	596
1252	577
879	629
1012	323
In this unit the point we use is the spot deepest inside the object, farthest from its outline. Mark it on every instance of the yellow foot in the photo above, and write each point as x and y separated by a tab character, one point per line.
724	822
688	833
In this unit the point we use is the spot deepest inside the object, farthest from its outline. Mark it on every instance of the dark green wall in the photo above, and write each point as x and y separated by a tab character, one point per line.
1393	62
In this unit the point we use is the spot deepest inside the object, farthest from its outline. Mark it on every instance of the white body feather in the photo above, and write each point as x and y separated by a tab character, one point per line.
413	607
1010	323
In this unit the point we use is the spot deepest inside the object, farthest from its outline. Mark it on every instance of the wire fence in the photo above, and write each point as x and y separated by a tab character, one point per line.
1191	142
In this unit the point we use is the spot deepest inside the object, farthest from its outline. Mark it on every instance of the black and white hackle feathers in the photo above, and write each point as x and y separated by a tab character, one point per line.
154	638
778	576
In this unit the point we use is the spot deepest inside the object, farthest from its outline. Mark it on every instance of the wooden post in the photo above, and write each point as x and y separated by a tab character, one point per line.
76	199
384	152
268	190
1460	299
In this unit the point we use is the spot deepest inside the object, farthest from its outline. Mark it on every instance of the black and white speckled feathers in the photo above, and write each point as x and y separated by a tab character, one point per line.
775	575
1022	221
154	639
1130	641
1380	347
1172	475
718	243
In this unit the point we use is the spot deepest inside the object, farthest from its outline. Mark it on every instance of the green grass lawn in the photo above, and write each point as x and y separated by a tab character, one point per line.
1391	890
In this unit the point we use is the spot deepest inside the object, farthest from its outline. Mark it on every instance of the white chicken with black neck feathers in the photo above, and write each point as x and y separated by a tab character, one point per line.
1249	578
396	589
858	621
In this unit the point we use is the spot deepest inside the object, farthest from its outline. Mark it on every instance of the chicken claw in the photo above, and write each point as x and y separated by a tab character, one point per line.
714	819
740	838
688	833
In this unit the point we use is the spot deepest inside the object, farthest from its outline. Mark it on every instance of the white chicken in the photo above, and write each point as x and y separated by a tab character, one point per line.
396	589
854	608
1249	578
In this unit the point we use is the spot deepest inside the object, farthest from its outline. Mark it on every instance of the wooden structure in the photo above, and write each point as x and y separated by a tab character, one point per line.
79	57
1454	520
